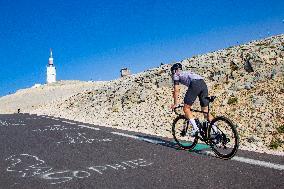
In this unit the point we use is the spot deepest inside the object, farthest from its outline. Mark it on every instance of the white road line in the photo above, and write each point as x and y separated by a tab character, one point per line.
72	123
139	138
236	158
260	163
94	128
251	161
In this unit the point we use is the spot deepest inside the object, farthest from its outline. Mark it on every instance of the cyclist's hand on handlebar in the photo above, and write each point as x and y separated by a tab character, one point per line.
173	106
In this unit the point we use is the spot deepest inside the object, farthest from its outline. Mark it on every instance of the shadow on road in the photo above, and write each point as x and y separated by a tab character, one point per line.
171	144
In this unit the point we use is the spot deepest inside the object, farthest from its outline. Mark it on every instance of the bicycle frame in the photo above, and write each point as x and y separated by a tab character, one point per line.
207	113
209	132
203	137
193	110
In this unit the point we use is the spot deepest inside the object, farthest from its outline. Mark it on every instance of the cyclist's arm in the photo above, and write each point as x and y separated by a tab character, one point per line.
176	93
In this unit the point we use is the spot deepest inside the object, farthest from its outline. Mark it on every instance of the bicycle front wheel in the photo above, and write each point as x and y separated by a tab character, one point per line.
181	131
223	137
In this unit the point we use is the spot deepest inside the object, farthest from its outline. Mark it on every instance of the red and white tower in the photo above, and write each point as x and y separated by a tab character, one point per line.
51	71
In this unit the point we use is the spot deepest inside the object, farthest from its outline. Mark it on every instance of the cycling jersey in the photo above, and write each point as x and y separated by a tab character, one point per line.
185	77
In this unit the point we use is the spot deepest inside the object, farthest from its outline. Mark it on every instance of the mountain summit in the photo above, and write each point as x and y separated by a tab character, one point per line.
247	80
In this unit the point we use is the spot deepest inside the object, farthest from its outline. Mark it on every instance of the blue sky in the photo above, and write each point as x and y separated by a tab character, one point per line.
95	39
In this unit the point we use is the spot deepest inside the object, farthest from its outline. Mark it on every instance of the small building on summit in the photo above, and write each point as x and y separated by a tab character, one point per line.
125	72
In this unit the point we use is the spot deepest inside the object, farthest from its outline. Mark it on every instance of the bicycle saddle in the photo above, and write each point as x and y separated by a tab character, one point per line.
210	98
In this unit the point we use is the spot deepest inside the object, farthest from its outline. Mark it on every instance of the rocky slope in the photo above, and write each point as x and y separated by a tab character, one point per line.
247	79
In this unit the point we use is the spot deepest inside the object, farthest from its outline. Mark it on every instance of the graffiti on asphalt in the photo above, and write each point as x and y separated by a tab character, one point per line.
56	128
25	166
80	138
7	123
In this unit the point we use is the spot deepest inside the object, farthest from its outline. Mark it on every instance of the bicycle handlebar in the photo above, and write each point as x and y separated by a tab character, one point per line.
175	109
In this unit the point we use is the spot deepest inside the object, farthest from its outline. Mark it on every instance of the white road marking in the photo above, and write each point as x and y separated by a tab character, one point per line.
252	161
72	123
236	158
260	163
139	138
94	128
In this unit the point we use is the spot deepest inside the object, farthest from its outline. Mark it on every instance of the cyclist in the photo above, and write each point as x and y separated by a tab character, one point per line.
196	88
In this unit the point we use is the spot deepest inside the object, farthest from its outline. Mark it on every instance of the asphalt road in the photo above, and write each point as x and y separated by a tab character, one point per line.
46	152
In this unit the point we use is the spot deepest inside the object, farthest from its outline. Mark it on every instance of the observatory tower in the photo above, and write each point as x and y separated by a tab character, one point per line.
50	71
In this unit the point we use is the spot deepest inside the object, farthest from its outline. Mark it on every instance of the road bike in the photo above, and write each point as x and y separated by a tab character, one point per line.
220	133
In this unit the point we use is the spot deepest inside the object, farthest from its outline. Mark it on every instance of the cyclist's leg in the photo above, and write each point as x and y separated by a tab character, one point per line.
187	111
190	96
190	117
209	117
205	109
204	103
189	99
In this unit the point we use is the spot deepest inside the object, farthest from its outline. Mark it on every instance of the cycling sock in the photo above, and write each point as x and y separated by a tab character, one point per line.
215	129
193	123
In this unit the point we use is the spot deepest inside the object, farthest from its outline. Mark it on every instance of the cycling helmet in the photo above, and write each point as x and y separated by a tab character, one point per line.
175	67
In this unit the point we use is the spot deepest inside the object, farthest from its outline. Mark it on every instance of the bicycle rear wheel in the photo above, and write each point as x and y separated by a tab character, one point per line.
225	141
184	140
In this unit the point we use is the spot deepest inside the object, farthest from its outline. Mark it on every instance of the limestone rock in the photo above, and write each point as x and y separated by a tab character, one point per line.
248	81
